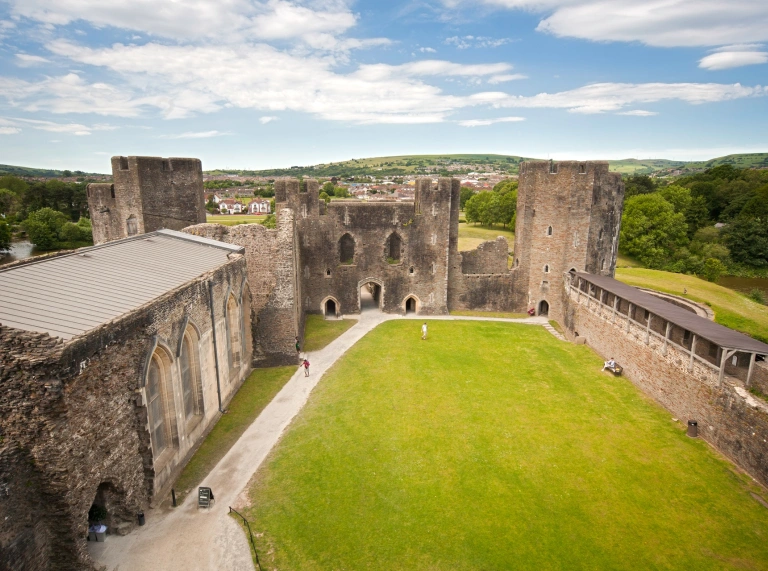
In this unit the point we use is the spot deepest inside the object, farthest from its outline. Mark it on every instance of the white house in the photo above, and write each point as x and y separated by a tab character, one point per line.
259	206
230	206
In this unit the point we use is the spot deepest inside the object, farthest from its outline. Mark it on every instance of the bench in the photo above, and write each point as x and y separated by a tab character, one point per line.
616	369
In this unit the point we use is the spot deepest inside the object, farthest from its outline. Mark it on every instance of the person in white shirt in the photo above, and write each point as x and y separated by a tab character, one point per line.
424	330
609	364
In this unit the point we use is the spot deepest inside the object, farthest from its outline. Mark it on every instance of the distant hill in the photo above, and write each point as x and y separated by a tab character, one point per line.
453	164
33	172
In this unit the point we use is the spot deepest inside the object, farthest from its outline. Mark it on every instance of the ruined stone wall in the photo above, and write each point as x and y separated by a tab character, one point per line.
148	193
568	216
422	229
270	254
73	419
730	418
488	258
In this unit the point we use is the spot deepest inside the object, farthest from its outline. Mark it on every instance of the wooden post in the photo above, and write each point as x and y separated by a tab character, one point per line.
629	316
648	329
751	366
693	352
666	338
579	299
615	303
723	360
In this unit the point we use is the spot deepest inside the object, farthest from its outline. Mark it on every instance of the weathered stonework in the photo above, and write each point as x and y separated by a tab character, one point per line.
148	194
74	421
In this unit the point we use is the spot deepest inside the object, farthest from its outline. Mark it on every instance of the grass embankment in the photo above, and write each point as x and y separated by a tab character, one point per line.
470	237
501	314
495	446
257	391
318	331
235	219
731	308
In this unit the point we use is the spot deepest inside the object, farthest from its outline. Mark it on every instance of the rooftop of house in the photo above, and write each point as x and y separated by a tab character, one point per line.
68	295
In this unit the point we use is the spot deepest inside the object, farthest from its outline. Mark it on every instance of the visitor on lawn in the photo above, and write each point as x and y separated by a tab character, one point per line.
424	330
306	367
609	364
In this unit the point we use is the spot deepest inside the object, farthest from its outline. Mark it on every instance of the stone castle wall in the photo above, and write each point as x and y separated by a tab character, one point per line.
73	419
728	416
270	256
148	194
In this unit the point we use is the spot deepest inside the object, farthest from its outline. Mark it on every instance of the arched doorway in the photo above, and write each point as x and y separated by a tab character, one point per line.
543	308
109	508
370	294
331	308
411	305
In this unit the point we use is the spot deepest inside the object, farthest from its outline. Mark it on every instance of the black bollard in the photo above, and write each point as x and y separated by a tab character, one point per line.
141	518
693	429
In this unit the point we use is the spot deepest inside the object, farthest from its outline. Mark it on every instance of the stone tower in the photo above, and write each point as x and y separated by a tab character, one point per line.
148	193
568	217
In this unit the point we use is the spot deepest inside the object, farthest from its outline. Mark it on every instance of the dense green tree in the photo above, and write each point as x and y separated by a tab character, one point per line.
507	207
651	230
638	184
8	202
15	184
476	208
5	236
747	240
43	226
713	269
328	188
324	196
465	194
341	192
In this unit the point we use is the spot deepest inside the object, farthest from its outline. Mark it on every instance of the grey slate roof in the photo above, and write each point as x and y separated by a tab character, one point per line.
700	326
68	295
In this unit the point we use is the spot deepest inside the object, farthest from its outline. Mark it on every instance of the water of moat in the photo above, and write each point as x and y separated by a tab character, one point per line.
19	251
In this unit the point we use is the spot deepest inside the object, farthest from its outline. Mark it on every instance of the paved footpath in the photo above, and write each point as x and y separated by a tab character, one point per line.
190	539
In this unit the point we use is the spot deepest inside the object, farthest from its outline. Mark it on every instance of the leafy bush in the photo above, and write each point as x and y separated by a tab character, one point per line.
713	269
43	226
270	221
757	295
5	236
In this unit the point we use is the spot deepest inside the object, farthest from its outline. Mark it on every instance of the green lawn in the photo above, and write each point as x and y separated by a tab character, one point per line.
471	236
257	391
234	219
494	446
318	331
502	314
731	309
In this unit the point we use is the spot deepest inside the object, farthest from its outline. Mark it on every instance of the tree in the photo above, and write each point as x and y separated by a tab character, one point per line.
465	194
341	192
324	196
651	230
477	207
43	226
638	184
713	269
507	207
328	188
747	239
5	236
8	202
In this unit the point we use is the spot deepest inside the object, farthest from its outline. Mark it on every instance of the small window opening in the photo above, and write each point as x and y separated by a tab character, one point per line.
546	268
123	163
583	168
327	273
517	262
600	234
410	270
112	190
549	231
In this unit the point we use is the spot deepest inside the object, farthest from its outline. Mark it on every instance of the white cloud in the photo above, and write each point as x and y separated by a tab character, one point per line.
606	97
429	67
196	135
493	80
736	55
484	122
226	20
465	42
9	130
664	23
638	113
52	127
267	119
428	50
26	60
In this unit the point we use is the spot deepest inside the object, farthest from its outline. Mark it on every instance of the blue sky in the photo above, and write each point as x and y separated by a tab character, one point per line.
273	83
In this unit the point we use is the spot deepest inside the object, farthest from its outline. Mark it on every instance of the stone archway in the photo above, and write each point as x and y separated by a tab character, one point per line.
110	508
543	308
411	304
330	307
370	294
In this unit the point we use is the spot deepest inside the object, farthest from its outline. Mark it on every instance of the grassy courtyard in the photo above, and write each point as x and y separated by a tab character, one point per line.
471	236
494	446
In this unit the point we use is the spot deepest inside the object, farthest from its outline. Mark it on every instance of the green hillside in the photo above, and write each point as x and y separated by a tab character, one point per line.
35	172
457	164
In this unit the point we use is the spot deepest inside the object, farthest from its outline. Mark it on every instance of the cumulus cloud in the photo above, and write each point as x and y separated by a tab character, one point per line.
267	119
664	23
315	21
736	55
484	122
428	50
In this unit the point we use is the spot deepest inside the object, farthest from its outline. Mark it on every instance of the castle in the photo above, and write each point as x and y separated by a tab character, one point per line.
115	369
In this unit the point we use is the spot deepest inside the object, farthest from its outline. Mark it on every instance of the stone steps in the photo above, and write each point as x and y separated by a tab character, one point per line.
553	331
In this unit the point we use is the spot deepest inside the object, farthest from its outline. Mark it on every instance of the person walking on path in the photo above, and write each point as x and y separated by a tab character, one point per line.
424	330
306	367
298	347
